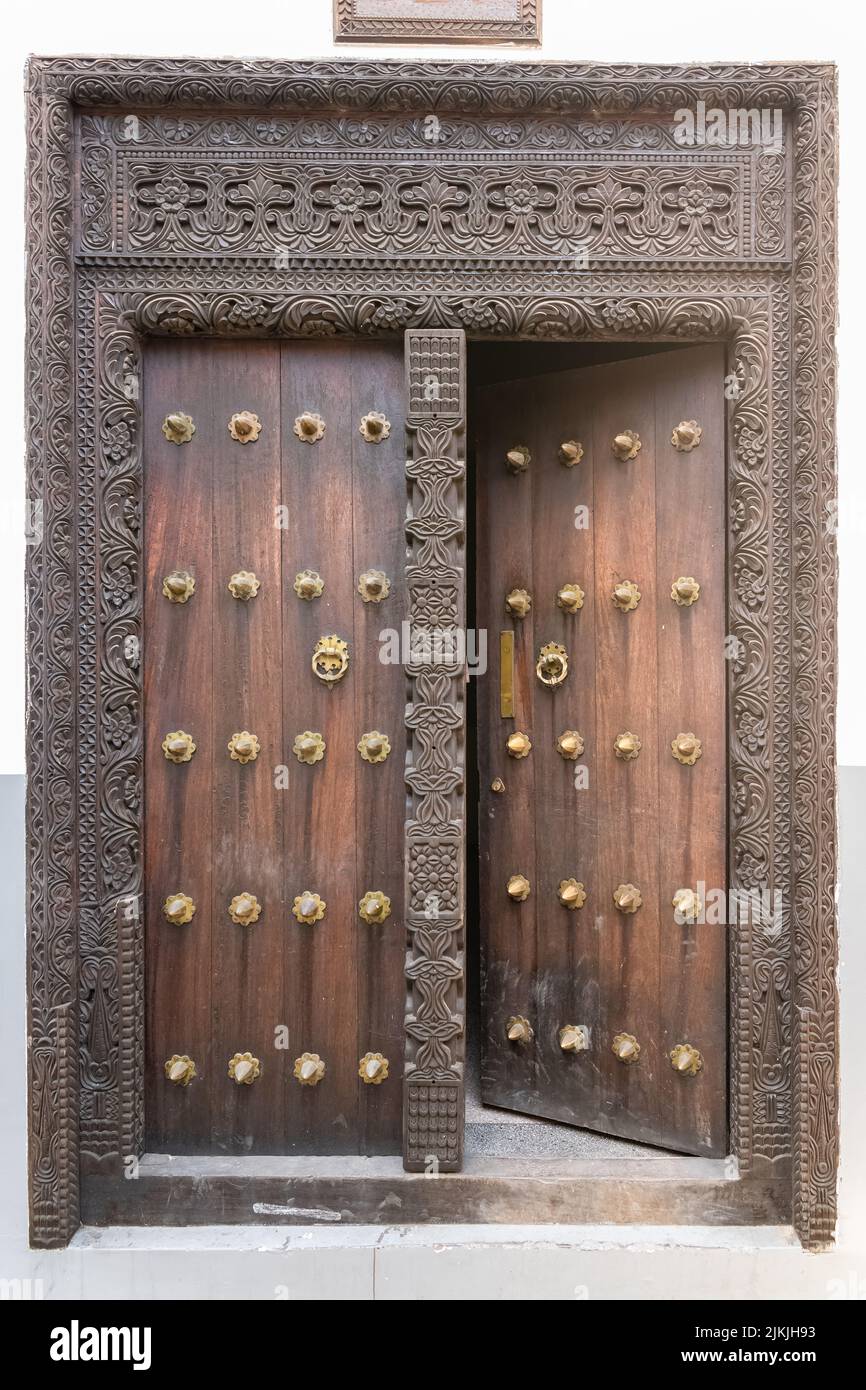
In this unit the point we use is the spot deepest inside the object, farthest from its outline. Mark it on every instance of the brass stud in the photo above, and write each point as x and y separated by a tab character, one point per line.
518	1029
308	907
180	1069
626	1048
518	888
244	585
244	909
686	1059
570	745
309	747
374	586
330	659
309	427
570	598
373	1068
626	446
374	427
571	893
245	427
685	591
178	587
627	746
518	603
686	436
374	747
178	909
570	452
627	898
687	905
518	745
552	664
497	785
178	428
574	1037
687	748
244	1068
308	585
178	747
244	747
309	1069
374	907
626	595
518	459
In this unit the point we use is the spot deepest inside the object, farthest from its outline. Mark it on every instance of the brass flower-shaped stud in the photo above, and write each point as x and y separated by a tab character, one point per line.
570	597
309	1069
687	905
627	898
245	427
627	746
518	1029
178	428
374	427
309	747
570	452
552	664
244	747
179	909
571	894
574	1037
178	587
626	445
518	603
330	659
308	585
626	595
308	907
686	436
244	909
570	745
518	888
374	907
373	1068
244	1068
180	1069
244	585
373	586
309	427
178	747
626	1048
686	1059
518	459
685	591
497	785
374	747
518	745
686	748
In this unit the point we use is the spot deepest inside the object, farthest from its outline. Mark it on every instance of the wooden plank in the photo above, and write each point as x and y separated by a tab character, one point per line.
246	961
177	675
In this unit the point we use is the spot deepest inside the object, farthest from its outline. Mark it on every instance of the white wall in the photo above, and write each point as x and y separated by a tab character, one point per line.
626	31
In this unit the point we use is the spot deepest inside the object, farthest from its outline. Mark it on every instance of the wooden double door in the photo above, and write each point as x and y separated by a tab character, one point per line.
275	703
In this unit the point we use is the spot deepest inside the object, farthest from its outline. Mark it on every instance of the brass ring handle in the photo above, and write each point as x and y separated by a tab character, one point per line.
244	1068
309	1069
330	659
552	664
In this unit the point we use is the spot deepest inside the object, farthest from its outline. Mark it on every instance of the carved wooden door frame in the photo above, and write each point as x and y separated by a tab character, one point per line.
190	218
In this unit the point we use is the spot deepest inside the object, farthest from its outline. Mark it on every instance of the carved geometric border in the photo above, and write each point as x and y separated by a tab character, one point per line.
83	982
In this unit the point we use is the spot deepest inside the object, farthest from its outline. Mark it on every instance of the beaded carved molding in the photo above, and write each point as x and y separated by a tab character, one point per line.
226	198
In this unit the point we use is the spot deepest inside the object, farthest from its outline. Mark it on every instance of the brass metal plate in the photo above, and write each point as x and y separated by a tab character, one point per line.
506	675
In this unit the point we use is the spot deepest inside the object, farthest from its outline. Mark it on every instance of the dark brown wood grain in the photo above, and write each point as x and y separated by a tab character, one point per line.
639	821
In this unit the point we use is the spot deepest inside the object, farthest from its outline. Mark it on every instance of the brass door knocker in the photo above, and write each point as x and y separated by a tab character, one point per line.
330	659
552	664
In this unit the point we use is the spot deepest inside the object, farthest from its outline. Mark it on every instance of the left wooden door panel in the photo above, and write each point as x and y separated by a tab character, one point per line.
273	827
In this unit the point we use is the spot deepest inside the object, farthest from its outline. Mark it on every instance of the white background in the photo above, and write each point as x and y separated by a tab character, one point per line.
618	31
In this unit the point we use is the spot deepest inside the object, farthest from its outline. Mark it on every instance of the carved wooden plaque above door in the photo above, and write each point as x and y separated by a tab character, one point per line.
601	556
271	847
